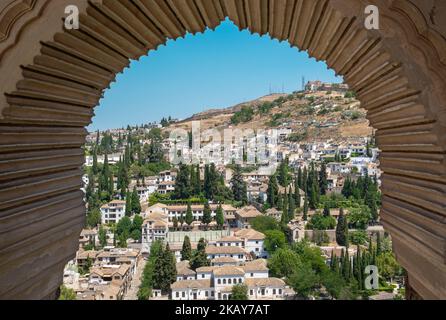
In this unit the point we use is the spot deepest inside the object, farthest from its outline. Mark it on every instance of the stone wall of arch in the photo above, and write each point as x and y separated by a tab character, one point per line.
51	79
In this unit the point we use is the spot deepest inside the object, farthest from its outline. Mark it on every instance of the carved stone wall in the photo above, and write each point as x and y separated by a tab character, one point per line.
51	79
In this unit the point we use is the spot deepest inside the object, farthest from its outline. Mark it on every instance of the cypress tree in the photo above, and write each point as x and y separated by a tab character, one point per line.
207	182
182	184
207	215
272	192
305	180
197	181
297	198
299	178
239	186
346	266
342	229
171	267
199	258
95	160
105	178
313	201
189	215
128	204
111	185
305	217
181	220
323	183
219	218
136	205
291	206
285	204
186	251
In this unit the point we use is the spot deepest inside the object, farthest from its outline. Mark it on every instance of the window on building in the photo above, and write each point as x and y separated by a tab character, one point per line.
229	281
219	281
224	281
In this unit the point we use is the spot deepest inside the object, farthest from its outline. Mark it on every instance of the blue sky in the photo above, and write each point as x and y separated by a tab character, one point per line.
215	69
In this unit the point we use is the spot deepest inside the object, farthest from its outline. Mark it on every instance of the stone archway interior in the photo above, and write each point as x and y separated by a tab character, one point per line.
51	80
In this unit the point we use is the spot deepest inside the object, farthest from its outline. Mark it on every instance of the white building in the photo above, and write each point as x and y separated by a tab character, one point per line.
253	242
113	212
216	283
155	227
245	215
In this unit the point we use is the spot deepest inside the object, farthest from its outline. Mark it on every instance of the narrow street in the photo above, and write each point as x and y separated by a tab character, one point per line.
136	281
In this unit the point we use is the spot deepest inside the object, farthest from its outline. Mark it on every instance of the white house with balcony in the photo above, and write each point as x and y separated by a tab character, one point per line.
216	283
253	242
155	227
113	212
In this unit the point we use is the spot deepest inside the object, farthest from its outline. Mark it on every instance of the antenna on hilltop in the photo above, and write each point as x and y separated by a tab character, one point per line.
303	83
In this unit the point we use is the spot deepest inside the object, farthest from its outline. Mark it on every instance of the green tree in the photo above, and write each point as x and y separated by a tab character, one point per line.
388	266
297	197
219	217
95	161
264	223
239	187
67	294
189	215
183	183
199	258
145	288
358	237
171	270
186	251
136	205
136	231
102	235
342	229
291	206
359	217
304	281
305	210
320	222
323	182
326	212
283	175
207	214
239	292
273	192
93	218
124	228
283	263
274	240
128	204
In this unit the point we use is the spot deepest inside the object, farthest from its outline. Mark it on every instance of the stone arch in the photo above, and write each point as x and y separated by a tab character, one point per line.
51	79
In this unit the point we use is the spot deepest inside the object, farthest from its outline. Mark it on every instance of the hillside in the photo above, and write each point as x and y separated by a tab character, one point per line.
317	115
